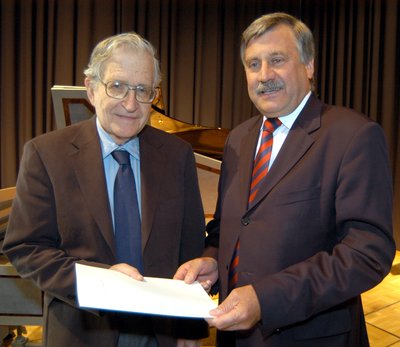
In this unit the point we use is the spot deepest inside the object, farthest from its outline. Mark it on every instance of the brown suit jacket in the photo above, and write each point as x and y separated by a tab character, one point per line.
320	232
61	215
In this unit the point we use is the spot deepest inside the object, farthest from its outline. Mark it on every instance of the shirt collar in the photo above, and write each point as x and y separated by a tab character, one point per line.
288	120
108	145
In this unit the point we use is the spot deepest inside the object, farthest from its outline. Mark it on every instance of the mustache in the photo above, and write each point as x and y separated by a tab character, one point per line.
269	86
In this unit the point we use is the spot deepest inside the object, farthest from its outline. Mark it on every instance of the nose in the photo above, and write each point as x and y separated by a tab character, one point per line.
266	72
129	102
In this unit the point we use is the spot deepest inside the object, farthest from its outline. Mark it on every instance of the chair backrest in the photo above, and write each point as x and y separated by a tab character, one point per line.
21	302
7	196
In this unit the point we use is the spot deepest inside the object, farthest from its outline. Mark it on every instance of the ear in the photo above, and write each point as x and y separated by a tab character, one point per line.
310	69
89	90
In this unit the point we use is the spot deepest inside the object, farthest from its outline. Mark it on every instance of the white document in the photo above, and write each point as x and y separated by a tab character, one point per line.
111	290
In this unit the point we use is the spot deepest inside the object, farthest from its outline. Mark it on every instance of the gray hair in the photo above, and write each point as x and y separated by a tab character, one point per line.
304	36
106	48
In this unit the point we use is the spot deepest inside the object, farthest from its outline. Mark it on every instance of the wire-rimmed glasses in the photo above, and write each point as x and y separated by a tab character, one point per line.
119	90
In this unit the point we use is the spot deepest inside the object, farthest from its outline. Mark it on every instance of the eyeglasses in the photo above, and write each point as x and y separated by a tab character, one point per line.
119	90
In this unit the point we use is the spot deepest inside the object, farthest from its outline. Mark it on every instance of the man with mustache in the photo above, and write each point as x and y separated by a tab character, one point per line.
303	223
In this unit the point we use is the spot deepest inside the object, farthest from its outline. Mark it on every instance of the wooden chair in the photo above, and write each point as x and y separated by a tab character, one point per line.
21	302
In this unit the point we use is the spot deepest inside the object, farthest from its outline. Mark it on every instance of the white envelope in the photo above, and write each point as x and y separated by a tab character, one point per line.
111	290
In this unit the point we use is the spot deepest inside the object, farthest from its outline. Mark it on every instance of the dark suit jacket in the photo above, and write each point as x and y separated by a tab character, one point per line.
61	215
320	232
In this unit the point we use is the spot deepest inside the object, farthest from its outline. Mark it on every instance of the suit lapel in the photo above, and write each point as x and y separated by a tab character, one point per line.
89	170
152	161
247	150
297	143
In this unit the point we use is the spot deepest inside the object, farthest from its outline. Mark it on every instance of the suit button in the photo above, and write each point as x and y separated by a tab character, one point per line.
245	221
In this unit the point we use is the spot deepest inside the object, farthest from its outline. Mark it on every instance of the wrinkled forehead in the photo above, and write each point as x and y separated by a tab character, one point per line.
257	35
278	39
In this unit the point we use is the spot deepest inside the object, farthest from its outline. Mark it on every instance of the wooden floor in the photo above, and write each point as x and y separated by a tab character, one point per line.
381	308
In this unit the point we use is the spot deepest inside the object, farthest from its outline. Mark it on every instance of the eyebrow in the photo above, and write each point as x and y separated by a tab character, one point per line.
268	55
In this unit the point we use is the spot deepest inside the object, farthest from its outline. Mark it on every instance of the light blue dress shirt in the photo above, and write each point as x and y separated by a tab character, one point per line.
111	166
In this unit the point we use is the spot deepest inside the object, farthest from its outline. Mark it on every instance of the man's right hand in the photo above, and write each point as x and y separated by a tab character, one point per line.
204	270
128	270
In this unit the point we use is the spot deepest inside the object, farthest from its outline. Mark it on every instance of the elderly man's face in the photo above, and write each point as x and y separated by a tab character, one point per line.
123	119
277	80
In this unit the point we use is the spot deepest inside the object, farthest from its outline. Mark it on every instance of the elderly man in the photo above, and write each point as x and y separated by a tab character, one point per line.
110	192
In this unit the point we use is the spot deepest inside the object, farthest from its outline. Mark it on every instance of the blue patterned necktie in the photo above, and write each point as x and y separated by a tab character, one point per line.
128	237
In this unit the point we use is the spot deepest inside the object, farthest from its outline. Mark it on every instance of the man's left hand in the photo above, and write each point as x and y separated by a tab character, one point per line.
239	311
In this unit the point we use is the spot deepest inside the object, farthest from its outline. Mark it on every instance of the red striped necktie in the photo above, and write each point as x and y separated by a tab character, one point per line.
261	163
260	170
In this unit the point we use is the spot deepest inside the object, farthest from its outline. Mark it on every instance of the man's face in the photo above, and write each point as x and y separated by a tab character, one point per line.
277	80
123	119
